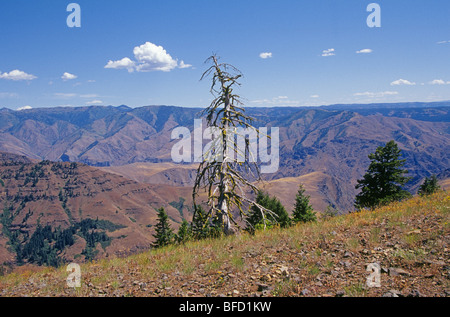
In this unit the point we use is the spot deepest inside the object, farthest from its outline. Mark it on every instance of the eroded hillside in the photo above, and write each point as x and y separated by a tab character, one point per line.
408	240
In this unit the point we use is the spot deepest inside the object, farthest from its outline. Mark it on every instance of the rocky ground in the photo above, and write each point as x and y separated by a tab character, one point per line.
409	242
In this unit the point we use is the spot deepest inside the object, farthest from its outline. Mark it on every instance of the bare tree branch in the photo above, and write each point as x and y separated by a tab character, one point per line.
222	176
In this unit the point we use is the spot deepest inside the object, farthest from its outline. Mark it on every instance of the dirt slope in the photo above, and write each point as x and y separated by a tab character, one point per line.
410	241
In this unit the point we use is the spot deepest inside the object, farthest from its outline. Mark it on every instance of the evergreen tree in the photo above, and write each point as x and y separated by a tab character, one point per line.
303	211
384	178
164	233
216	227
257	220
200	224
330	212
429	186
184	232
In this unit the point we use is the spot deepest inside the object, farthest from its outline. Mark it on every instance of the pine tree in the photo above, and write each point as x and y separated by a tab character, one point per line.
216	227
200	224
329	212
429	186
303	211
256	219
184	232
384	178
164	233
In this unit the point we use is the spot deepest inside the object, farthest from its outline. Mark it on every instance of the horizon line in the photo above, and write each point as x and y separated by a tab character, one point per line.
248	107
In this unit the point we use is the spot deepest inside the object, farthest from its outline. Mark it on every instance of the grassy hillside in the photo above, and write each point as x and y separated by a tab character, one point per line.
410	240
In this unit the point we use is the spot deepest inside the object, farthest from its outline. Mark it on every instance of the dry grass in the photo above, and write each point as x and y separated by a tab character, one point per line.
235	253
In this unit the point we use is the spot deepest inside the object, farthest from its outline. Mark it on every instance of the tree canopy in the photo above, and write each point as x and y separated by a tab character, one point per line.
163	232
384	179
429	186
303	210
256	219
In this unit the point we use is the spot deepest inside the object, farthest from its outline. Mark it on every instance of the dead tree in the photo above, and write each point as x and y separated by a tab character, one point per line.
221	173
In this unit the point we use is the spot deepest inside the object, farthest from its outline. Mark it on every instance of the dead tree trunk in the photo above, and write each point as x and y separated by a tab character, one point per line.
221	176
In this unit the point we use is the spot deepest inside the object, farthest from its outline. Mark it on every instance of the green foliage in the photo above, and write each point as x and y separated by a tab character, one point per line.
46	244
201	228
63	196
108	225
184	232
257	220
384	178
6	219
178	205
216	229
429	186
89	231
163	232
330	212
303	210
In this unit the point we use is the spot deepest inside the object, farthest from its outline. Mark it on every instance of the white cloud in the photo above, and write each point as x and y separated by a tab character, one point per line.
68	76
400	82
153	58
62	95
443	42
439	82
277	101
66	96
375	94
148	57
94	102
328	52
17	75
8	95
24	108
124	63
183	65
90	96
314	96
364	51
265	55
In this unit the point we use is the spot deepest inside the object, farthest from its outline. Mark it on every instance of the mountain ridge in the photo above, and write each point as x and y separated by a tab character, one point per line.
335	142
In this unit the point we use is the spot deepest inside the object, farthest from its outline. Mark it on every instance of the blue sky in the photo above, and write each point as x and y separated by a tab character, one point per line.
146	52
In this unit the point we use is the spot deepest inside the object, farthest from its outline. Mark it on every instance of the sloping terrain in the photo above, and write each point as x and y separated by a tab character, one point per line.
62	195
408	240
158	173
321	187
332	141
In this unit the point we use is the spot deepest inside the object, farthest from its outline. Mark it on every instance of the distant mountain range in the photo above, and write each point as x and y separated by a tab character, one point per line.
332	140
437	111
